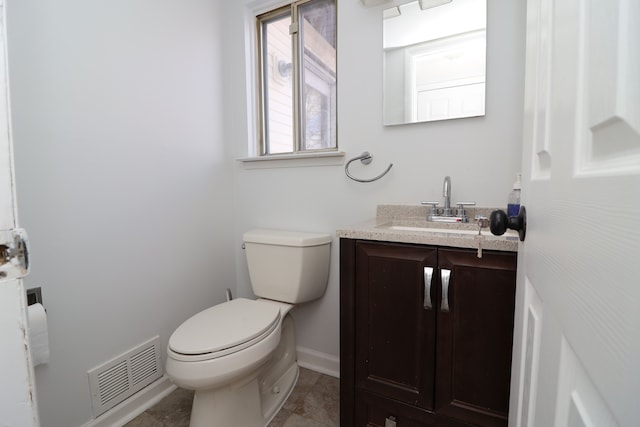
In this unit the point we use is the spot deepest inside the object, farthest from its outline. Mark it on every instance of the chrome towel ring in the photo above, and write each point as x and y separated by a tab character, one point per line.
365	158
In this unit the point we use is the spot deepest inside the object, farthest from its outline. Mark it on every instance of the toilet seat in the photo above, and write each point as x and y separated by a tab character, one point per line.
224	329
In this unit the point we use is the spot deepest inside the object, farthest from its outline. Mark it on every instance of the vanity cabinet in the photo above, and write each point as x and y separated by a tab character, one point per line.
426	335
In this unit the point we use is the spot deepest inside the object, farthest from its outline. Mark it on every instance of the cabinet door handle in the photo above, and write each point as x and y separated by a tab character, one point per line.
445	275
428	275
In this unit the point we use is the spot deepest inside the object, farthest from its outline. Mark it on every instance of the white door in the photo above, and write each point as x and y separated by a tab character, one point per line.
17	393
577	339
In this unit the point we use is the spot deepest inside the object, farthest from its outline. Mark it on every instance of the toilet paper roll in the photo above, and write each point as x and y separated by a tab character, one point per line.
38	334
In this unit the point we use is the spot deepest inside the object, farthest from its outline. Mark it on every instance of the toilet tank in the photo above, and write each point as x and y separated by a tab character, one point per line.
288	266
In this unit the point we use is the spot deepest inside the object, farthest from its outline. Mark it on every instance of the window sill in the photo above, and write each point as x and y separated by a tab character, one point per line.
325	158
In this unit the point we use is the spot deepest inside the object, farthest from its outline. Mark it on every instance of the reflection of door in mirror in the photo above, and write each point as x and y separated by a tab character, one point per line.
447	78
434	61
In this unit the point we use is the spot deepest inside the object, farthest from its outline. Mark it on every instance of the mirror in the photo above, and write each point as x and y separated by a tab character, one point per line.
434	60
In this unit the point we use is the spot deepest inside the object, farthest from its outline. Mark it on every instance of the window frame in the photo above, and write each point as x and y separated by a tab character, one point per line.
298	58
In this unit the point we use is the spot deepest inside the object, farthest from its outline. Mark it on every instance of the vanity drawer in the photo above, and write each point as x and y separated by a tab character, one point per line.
373	410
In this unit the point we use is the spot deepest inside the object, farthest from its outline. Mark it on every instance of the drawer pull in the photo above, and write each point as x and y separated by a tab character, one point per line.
445	275
428	275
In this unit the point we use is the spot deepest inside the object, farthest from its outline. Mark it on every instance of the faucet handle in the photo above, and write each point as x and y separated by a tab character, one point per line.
432	204
433	211
461	211
461	205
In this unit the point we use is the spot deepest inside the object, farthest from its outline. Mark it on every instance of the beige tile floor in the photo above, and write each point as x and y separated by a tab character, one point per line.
314	402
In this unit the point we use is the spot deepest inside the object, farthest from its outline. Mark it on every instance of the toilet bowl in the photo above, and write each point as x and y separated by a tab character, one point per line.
240	356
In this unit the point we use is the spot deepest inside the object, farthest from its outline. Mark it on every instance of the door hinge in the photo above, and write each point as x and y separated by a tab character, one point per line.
14	254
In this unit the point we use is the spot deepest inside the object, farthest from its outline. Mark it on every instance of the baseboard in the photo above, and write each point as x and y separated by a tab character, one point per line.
319	362
135	405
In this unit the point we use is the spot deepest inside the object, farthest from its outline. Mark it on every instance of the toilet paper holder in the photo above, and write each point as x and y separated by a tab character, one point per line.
34	296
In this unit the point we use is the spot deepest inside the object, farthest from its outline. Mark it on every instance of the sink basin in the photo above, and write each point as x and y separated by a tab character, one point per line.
468	230
432	229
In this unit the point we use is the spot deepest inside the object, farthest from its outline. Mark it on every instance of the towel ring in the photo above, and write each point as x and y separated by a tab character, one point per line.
365	158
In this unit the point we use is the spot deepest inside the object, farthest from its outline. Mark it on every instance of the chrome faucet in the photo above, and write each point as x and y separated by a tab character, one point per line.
446	213
446	193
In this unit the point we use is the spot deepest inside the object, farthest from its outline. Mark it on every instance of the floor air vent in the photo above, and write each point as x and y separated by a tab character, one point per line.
121	377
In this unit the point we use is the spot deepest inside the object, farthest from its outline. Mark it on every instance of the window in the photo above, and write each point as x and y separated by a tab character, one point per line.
297	76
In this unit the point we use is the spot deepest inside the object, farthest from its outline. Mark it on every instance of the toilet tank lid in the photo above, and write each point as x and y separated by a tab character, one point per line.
285	238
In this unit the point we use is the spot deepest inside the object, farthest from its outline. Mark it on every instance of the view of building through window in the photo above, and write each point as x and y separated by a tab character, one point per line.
298	75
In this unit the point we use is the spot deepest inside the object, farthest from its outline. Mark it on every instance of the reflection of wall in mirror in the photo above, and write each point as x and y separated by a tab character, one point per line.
415	25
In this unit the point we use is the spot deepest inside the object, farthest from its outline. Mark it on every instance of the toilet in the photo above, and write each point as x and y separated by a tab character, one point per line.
240	356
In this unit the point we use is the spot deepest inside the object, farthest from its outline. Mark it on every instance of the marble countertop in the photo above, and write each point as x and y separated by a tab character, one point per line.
405	223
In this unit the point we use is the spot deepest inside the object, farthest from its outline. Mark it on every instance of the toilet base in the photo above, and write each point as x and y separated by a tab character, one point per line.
254	400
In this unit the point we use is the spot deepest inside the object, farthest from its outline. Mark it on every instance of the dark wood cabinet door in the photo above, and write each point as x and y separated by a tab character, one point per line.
395	326
475	336
447	365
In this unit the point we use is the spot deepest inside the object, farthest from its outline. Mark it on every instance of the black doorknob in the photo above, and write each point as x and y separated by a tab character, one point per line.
499	222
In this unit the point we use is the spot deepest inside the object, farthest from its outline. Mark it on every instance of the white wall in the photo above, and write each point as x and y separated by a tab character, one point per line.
482	155
123	179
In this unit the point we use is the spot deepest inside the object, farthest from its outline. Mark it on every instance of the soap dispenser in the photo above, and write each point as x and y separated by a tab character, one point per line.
513	201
